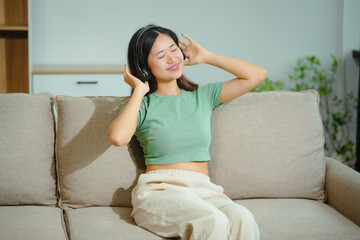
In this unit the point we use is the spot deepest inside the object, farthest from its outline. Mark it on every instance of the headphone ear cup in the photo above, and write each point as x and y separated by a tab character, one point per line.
141	71
145	74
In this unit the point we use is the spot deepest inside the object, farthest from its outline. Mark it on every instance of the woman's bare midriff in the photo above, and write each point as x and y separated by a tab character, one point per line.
201	167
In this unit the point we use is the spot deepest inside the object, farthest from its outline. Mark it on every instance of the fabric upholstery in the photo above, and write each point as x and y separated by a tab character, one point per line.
31	223
343	188
269	145
27	170
104	223
298	219
91	171
278	219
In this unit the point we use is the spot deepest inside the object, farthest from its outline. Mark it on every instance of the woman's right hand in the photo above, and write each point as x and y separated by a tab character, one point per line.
134	82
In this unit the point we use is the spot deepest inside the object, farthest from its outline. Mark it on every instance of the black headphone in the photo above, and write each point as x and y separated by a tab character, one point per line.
137	47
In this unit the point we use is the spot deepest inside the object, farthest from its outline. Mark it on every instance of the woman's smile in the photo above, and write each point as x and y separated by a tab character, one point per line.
174	67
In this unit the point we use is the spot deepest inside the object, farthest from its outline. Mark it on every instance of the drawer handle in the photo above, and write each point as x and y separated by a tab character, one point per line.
87	82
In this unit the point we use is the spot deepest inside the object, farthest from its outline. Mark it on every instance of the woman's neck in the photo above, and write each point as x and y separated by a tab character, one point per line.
168	89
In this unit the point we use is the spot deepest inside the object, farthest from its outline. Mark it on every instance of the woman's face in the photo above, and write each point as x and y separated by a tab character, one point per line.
165	59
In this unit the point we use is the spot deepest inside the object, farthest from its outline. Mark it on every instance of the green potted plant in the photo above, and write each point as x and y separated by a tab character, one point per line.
336	111
268	85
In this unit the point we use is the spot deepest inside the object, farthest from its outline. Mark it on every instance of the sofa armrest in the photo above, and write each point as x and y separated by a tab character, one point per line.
343	189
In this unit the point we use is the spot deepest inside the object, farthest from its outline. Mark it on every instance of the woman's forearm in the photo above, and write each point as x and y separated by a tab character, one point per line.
237	67
122	128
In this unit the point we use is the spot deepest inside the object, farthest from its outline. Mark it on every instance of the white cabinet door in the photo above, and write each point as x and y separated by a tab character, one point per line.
81	84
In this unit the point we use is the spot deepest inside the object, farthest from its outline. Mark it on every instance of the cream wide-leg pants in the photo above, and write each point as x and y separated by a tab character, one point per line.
186	204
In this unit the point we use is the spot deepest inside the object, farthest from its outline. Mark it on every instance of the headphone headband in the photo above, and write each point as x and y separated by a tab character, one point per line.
141	33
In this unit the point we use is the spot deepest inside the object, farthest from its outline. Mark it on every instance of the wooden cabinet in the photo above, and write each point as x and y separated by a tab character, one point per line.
80	80
14	58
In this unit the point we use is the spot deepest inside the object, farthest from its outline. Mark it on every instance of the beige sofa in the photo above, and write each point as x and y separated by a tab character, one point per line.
64	180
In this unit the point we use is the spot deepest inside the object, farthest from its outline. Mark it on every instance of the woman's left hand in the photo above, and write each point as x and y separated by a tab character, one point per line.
193	51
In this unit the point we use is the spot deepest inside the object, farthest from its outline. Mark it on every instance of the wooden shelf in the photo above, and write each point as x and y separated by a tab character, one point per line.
13	28
14	49
78	69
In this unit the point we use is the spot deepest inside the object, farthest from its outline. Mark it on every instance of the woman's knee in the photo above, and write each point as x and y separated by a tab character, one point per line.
242	222
239	214
211	226
219	220
174	210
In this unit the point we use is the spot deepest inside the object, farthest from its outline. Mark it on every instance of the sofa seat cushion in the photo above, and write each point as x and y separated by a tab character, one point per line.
269	145
104	223
32	223
299	219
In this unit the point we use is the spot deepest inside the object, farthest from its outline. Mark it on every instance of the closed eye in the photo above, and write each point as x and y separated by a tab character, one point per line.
174	49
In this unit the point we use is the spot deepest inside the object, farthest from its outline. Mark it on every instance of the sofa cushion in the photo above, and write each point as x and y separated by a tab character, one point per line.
27	136
91	171
298	219
269	145
32	223
104	223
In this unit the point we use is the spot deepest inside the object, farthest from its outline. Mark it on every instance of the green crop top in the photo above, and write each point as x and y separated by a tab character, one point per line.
173	129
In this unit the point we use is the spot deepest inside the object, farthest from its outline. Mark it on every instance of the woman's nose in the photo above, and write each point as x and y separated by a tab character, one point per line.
171	57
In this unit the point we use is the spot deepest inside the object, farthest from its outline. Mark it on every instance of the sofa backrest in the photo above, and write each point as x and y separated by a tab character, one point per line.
267	144
91	171
27	169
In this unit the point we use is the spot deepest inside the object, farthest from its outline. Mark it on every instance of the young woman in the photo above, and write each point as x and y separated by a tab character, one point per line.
170	116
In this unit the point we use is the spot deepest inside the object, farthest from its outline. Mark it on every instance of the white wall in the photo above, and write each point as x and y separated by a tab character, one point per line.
272	34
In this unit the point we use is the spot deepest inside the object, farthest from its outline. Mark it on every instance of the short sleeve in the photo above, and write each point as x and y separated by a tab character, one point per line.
213	92
141	115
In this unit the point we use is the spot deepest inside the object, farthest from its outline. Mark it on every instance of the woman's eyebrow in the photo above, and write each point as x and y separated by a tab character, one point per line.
163	50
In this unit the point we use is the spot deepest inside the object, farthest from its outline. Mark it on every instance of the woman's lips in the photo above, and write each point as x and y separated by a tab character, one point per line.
174	67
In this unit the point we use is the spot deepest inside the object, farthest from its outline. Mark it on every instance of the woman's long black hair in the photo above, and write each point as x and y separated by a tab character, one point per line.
139	48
